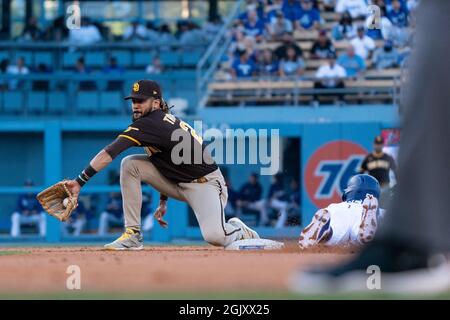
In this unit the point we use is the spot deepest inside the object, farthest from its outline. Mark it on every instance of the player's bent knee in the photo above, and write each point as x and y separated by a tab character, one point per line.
127	164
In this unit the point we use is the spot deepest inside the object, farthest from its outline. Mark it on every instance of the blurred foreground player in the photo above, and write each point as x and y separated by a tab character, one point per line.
353	221
411	244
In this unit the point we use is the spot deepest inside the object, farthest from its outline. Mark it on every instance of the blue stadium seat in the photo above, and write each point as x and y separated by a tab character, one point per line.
43	57
142	58
123	57
170	59
56	102
111	102
27	55
190	59
4	55
87	102
70	58
12	101
95	59
36	101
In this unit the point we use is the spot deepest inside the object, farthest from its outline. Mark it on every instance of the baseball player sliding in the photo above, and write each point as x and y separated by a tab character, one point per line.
197	181
353	221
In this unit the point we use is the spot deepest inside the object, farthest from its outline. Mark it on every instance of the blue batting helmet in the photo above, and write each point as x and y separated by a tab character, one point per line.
360	185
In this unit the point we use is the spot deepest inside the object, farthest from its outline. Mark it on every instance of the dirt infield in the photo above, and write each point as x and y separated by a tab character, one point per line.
156	269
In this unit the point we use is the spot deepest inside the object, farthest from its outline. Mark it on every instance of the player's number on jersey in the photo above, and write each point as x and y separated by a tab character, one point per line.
183	125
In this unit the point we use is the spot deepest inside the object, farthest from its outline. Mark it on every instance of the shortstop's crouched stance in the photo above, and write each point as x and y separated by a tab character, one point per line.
351	222
187	174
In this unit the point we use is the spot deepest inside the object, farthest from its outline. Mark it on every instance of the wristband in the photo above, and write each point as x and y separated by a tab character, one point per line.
85	175
163	197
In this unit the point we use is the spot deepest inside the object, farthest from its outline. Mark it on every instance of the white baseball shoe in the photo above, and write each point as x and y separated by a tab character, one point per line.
317	230
246	233
369	223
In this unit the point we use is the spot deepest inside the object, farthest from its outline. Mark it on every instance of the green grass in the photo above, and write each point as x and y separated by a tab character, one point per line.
69	295
12	252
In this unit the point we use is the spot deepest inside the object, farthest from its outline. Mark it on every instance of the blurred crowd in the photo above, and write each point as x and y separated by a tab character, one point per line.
279	208
185	32
267	22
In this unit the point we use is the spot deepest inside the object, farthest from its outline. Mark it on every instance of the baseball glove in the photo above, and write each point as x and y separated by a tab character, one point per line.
52	200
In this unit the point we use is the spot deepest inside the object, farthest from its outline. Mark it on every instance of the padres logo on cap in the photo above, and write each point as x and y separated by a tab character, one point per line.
136	87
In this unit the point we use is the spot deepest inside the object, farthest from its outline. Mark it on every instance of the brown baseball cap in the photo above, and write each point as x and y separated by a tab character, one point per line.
145	89
379	140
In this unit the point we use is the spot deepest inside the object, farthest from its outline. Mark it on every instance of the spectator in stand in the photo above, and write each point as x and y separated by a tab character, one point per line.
112	68
398	14
3	70
278	200
267	65
230	208
383	30
147	212
253	26
292	65
294	216
28	212
288	42
330	76
344	29
291	9
279	26
81	69
323	47
243	67
309	17
155	67
152	32
135	32
112	214
356	8
192	35
353	64
363	44
19	69
88	33
58	30
250	197
272	10
78	220
32	32
166	36
386	57
212	27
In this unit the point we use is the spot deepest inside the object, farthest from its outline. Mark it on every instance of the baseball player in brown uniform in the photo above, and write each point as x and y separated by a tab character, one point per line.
197	181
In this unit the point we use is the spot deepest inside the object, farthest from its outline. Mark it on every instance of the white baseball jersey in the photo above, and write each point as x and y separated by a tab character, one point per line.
345	221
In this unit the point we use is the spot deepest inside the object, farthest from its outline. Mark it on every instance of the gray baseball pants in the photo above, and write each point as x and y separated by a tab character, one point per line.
207	200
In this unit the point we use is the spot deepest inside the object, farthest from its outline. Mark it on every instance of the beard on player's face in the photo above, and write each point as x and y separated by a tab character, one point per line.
140	108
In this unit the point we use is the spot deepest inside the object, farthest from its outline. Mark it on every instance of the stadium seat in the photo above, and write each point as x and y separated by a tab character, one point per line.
36	101
70	58
142	58
95	59
56	102
12	101
170	59
87	102
190	59
27	55
111	102
4	55
43	57
123	57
